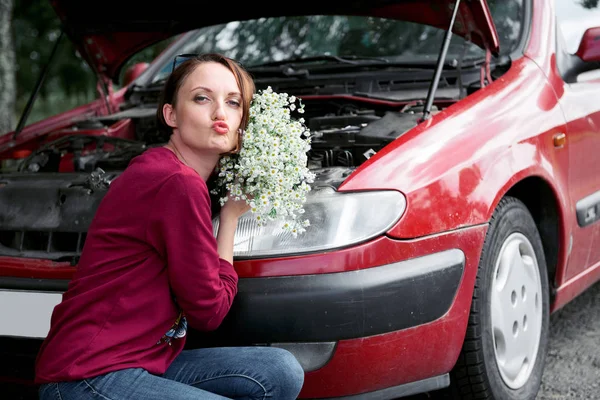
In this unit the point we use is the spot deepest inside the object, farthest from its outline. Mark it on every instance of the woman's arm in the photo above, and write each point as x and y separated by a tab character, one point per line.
180	229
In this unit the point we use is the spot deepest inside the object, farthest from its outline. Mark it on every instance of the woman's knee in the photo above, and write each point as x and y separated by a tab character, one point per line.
290	375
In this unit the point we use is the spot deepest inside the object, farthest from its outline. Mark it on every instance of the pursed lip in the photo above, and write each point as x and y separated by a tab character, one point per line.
221	128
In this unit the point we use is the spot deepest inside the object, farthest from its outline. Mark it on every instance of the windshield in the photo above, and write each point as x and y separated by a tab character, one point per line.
267	40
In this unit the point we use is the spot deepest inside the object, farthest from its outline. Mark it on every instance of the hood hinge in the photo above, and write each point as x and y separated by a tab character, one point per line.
485	72
104	86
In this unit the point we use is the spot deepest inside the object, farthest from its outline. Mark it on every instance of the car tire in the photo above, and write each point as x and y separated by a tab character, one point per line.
504	350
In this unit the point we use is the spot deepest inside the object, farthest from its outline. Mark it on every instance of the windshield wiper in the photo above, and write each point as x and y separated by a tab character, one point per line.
289	67
295	67
350	59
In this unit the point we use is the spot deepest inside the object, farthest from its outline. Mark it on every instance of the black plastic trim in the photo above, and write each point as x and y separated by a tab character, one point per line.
407	389
345	305
38	285
588	210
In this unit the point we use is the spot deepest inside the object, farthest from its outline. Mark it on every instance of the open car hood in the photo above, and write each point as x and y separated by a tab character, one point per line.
107	33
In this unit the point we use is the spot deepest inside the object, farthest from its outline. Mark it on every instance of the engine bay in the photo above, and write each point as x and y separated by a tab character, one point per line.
343	135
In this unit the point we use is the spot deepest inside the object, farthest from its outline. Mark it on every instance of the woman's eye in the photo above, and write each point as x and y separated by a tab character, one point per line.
235	103
200	98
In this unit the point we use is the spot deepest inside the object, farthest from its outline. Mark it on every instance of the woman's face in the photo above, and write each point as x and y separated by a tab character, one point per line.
208	111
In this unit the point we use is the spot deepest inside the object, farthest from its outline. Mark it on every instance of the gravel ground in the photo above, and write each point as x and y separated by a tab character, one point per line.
573	362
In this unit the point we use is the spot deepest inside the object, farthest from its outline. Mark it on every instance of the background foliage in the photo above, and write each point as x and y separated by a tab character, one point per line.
70	81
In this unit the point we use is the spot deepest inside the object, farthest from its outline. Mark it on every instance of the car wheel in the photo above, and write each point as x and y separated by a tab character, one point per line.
504	350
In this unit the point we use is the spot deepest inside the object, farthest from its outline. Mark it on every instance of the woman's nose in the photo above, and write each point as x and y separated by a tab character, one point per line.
219	112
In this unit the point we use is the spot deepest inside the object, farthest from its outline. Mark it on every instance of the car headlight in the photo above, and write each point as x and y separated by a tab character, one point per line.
337	219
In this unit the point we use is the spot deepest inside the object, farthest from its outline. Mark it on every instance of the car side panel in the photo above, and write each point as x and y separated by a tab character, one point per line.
581	102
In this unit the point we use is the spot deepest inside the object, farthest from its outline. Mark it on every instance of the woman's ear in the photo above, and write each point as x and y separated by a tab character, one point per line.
169	115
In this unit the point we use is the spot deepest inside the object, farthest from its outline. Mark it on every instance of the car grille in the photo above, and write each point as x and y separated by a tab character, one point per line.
57	246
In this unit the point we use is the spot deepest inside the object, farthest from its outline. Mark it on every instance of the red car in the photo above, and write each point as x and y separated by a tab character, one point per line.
457	196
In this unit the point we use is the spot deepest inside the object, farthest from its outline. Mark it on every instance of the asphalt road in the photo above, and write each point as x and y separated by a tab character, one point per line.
573	364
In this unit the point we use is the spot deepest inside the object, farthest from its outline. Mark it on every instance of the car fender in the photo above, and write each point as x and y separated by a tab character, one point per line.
455	167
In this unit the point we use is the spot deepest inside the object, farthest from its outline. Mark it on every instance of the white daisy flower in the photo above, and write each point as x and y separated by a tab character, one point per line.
272	164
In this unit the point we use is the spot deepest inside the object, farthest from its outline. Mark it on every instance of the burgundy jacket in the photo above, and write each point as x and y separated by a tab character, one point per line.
149	266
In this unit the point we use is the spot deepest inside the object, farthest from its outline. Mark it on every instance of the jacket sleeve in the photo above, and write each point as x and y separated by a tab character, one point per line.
181	230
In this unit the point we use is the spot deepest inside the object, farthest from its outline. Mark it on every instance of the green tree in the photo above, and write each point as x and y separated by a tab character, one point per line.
589	3
7	71
69	82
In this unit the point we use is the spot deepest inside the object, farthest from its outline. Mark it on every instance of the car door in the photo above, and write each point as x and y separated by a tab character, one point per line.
581	105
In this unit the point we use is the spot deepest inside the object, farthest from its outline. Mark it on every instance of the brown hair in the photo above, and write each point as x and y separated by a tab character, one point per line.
180	74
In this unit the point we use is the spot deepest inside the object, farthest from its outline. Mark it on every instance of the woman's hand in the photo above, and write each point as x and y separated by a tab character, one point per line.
231	211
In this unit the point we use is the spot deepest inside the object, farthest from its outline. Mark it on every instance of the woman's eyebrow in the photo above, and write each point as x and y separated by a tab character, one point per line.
201	87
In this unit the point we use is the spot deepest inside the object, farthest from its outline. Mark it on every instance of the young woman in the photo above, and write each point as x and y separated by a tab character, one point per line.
151	265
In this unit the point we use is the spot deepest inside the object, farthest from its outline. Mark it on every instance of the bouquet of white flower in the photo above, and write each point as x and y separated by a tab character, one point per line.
270	172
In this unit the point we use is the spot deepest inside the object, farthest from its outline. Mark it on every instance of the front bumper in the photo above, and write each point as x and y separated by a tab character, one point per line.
343	305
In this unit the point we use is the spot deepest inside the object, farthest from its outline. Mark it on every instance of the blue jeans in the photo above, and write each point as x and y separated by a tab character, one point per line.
211	373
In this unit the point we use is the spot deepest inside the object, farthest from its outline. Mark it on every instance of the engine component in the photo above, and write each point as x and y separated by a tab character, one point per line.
88	152
389	127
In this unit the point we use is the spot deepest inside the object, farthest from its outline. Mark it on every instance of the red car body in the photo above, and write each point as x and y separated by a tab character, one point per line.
528	135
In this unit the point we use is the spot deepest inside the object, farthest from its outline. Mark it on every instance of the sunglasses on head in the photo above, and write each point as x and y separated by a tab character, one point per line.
180	58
